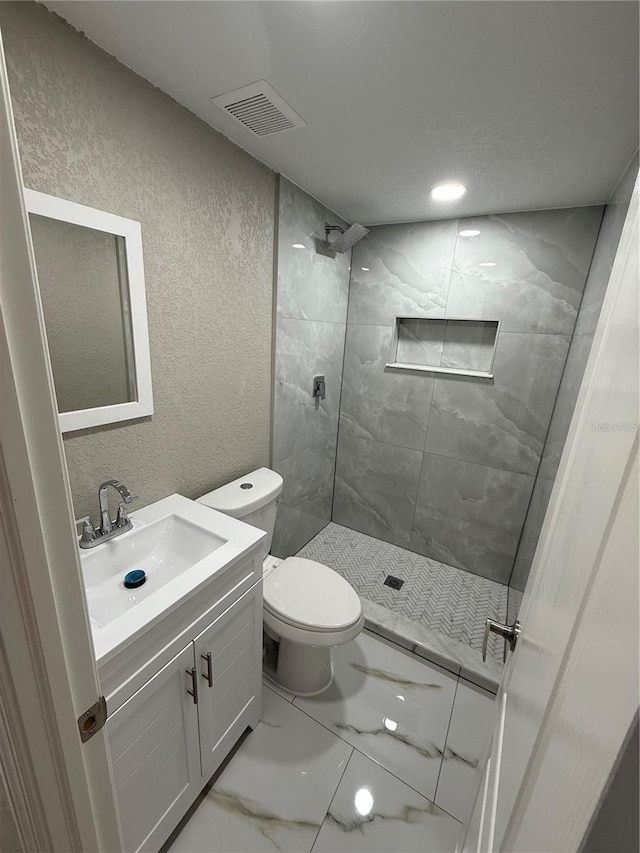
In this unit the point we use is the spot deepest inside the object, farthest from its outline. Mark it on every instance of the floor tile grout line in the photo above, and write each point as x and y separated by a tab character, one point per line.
378	763
375	760
333	796
446	740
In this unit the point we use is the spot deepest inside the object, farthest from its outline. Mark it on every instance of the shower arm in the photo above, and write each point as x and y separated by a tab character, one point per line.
329	228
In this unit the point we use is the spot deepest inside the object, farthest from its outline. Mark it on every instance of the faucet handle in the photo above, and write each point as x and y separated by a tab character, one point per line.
122	518
88	530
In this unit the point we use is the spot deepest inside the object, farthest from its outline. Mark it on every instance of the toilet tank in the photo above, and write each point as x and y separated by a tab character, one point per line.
252	498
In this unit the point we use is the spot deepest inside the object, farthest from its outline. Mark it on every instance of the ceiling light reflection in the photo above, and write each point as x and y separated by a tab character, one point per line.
487	264
469	232
391	725
364	269
363	801
299	246
448	192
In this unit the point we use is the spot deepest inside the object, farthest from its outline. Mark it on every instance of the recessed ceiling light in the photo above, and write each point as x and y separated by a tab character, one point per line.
469	232
364	269
487	264
448	192
299	246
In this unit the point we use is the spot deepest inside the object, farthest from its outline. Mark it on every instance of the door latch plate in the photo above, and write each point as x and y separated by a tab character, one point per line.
92	720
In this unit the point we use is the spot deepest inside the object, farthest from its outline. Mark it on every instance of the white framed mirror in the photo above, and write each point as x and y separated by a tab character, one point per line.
91	278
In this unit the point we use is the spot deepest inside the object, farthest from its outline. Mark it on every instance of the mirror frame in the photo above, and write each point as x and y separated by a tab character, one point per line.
52	207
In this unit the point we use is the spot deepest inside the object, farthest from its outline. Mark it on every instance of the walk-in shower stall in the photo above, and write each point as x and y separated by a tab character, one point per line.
453	353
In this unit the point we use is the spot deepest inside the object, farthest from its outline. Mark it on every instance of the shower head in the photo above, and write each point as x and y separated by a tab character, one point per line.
346	239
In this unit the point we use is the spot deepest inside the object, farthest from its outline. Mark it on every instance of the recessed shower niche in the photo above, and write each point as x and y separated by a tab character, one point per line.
453	345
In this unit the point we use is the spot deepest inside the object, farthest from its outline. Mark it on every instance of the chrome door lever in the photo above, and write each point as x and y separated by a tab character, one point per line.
509	632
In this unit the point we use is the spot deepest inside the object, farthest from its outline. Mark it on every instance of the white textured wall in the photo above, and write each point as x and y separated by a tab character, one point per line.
92	131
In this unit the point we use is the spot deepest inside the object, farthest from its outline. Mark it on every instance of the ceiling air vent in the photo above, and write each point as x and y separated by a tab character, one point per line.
259	108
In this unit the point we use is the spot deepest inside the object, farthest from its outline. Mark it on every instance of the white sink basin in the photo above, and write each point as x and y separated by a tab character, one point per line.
180	545
164	549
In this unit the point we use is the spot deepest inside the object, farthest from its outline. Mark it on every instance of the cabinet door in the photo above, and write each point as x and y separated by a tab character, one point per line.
153	740
229	660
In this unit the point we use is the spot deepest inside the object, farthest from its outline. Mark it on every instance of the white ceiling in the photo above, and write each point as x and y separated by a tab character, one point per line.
530	104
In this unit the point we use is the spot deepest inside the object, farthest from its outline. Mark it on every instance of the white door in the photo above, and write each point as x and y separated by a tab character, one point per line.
154	746
59	788
229	660
569	692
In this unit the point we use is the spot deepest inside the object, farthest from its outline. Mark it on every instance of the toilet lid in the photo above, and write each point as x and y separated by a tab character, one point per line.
309	595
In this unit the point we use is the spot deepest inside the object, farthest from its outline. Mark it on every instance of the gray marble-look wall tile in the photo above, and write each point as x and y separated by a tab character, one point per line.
614	215
531	532
375	488
565	404
514	603
502	421
401	270
305	348
305	505
470	515
593	297
469	346
526	269
381	404
551	455
420	342
311	286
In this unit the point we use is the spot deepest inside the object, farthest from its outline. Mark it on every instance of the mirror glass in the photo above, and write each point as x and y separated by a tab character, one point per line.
82	275
90	273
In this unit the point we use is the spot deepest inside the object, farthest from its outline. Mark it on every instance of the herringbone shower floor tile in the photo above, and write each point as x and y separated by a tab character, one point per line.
440	597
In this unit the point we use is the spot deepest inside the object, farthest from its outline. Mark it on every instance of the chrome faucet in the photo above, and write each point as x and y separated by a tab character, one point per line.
108	527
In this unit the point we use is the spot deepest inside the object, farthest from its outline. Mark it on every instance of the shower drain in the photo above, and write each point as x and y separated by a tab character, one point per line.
393	582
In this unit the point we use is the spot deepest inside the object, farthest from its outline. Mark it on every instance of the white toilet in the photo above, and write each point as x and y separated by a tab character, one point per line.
308	608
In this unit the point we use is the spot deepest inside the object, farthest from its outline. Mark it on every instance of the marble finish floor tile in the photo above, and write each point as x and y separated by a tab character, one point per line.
467	739
435	596
268	684
275	791
455	657
374	812
390	706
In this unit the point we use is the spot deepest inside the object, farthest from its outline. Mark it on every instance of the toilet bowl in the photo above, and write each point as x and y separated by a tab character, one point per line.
308	608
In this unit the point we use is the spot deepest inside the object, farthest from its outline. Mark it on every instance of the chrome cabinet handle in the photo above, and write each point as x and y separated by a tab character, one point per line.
509	632
194	684
208	675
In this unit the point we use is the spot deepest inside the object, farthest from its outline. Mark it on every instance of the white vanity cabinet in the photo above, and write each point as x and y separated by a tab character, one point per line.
229	656
168	738
155	755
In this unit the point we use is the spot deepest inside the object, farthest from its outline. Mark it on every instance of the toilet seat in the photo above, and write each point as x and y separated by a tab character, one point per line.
309	596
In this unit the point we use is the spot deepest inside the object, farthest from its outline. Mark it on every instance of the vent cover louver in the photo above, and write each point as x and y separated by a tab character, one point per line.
259	108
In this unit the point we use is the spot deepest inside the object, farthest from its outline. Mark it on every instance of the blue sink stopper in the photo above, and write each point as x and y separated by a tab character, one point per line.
134	579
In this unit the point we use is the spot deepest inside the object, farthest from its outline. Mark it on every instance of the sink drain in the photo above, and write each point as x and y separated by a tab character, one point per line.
134	579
